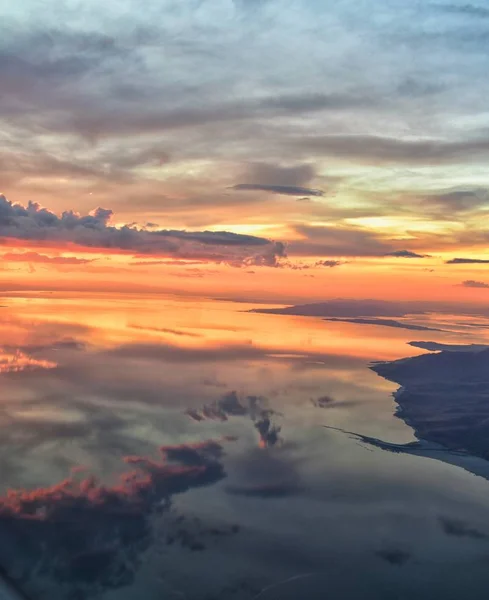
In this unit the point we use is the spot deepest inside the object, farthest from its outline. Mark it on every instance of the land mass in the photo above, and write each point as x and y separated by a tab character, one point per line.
444	397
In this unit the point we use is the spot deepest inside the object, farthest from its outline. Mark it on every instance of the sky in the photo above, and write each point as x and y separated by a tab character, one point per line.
259	149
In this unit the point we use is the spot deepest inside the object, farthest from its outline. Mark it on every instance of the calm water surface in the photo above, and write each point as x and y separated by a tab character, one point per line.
275	506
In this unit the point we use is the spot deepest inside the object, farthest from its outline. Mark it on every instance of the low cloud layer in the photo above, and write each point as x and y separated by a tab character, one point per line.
33	223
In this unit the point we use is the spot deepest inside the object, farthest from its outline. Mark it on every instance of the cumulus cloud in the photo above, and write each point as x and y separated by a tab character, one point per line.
471	283
35	223
91	534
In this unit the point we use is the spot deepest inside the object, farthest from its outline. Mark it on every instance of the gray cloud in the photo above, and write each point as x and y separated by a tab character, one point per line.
372	149
93	231
265	475
253	407
457	528
471	10
286	190
336	241
329	263
471	283
466	261
456	200
394	556
288	180
405	254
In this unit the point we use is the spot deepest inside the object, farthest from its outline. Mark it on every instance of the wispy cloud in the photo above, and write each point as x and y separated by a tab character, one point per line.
405	254
471	283
287	190
467	261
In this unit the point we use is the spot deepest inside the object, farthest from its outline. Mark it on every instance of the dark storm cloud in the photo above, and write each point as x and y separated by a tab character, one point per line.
286	190
466	261
471	283
374	149
38	224
91	534
405	254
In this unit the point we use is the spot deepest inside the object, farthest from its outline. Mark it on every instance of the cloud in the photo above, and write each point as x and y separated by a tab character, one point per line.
178	332
455	200
253	407
405	254
336	241
372	149
277	179
264	490
466	261
471	283
471	10
35	257
91	534
265	475
329	263
394	556
287	190
329	402
38	224
457	528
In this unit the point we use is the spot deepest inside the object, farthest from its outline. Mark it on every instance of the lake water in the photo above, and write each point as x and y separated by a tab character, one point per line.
276	506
